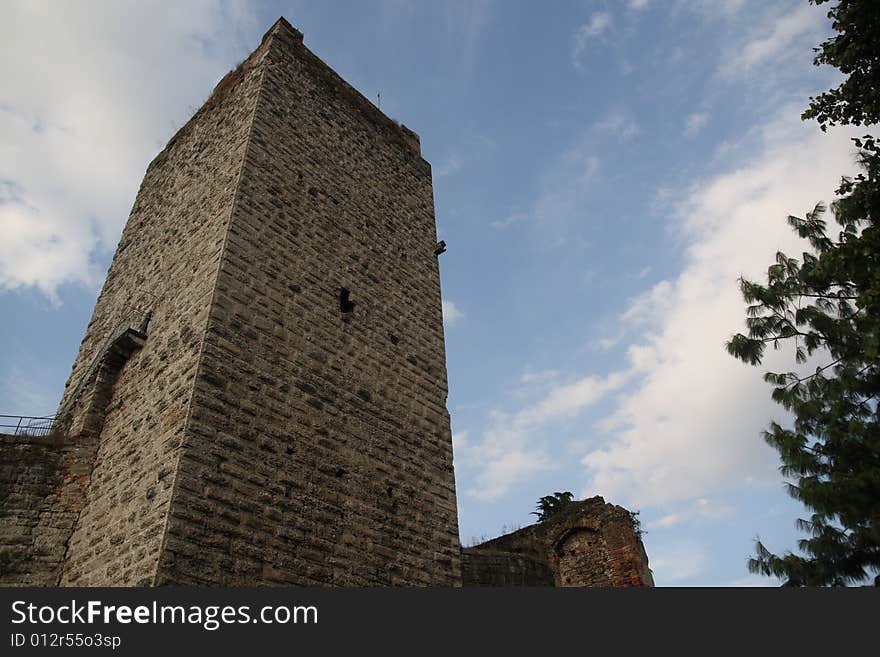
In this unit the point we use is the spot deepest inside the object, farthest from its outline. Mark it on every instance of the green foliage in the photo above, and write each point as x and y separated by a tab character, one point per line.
827	306
636	524
855	50
550	505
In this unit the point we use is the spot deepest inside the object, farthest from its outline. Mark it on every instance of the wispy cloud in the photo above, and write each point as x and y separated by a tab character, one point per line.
753	581
531	376
512	218
790	33
76	141
469	150
451	313
599	22
515	448
714	8
451	165
22	393
700	509
695	123
618	124
565	187
691	424
679	561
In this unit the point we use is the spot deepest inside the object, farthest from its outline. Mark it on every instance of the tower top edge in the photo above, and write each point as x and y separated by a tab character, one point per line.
291	38
282	28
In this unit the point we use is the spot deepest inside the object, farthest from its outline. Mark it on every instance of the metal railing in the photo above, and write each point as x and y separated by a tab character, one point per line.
26	425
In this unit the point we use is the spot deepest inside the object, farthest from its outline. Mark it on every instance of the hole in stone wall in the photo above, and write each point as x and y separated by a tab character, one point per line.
346	305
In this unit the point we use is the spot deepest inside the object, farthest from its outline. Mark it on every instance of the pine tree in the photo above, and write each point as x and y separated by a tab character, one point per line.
549	505
827	304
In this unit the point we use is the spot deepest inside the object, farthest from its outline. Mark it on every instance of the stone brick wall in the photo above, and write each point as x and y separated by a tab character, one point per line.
42	491
282	418
488	568
166	262
590	543
320	451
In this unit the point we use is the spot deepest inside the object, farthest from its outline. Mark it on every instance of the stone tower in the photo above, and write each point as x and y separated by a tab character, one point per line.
264	377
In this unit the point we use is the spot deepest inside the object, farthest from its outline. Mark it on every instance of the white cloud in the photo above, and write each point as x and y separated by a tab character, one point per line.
599	22
695	123
782	40
700	509
678	561
648	307
530	376
80	123
565	188
509	220
606	343
753	581
617	124
638	4
21	392
714	8
451	314
506	465
459	439
691	425
514	447
450	166
570	399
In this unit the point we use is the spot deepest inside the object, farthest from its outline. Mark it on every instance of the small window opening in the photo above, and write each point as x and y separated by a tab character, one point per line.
346	305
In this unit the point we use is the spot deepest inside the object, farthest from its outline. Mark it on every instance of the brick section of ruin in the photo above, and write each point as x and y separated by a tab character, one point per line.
282	420
319	450
589	543
43	482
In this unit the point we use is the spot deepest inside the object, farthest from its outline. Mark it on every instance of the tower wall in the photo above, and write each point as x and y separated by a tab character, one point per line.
319	448
166	263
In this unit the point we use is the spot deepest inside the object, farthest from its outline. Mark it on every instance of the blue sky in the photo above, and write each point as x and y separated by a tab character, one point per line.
603	173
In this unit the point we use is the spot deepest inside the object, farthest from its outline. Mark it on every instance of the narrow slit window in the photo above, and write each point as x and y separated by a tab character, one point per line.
346	305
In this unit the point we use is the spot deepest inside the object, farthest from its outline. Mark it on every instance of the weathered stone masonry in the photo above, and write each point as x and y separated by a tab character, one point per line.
589	543
43	482
260	397
267	432
319	449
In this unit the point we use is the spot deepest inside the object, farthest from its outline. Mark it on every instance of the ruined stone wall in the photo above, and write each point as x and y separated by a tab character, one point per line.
166	262
43	481
590	543
321	451
488	568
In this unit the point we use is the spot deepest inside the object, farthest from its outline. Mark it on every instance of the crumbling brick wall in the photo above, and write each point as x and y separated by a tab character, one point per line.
589	543
490	568
43	481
